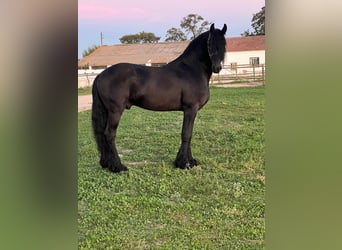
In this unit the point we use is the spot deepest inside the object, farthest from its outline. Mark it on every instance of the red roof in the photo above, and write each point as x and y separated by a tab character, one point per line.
245	43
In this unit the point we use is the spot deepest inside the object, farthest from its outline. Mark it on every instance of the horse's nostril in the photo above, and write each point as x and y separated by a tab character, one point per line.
216	69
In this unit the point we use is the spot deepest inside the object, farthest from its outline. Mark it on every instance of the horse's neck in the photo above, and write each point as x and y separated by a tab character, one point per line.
195	56
197	49
200	61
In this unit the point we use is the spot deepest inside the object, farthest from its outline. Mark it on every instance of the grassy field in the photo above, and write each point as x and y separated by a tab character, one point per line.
219	204
84	91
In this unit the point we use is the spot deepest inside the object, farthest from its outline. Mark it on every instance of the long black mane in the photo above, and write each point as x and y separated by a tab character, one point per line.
199	44
197	51
195	55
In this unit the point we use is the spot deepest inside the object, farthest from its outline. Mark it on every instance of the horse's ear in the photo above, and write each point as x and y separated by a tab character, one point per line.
224	29
212	27
211	32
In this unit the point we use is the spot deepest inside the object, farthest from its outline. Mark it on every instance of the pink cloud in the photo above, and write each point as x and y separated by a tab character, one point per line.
102	12
153	10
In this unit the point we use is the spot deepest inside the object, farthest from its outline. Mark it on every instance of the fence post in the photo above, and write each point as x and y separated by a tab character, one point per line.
253	72
263	74
86	74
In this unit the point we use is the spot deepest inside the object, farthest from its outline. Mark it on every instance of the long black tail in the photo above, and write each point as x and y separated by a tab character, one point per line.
99	119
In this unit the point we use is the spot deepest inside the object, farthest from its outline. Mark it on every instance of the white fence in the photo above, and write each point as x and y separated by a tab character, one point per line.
239	73
86	77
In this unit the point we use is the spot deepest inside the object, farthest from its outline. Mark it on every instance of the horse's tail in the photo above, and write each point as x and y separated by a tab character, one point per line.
99	117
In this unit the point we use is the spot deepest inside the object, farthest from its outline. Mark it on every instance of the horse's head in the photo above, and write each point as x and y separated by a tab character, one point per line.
217	47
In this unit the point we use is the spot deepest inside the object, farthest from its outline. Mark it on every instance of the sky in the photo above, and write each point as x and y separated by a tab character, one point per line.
115	18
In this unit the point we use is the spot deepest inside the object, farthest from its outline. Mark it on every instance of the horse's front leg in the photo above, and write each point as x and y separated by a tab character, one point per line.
184	157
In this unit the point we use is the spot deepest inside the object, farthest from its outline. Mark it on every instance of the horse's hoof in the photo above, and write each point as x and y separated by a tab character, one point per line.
185	164
103	164
118	169
193	162
179	164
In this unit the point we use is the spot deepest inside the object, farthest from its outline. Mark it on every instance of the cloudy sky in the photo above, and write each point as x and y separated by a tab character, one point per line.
115	18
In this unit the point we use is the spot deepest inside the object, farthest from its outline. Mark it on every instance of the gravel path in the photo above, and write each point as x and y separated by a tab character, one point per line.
239	85
84	102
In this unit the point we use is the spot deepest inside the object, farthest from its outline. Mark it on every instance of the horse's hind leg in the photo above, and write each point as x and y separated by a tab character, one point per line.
112	158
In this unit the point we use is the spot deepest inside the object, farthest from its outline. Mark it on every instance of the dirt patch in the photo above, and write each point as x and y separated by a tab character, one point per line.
84	102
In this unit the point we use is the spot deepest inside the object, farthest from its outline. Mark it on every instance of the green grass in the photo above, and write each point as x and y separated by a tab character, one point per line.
219	204
84	91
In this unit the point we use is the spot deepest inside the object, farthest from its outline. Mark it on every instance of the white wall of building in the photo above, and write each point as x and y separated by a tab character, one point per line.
243	57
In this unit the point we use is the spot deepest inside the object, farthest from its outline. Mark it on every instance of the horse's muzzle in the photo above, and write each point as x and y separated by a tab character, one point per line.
216	69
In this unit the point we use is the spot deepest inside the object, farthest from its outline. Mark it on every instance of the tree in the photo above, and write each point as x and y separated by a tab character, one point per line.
148	37
192	25
133	38
142	37
246	33
174	35
90	50
258	24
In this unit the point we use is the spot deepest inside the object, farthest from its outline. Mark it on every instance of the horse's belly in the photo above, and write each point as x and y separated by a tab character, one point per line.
160	102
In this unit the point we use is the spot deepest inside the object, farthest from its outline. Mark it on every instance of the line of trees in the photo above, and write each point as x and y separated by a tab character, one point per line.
142	37
190	27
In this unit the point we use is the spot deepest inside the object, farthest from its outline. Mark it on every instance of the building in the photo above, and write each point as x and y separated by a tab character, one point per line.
244	55
239	51
150	54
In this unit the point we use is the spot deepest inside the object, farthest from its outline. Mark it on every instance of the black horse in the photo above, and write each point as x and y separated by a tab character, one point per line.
181	85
